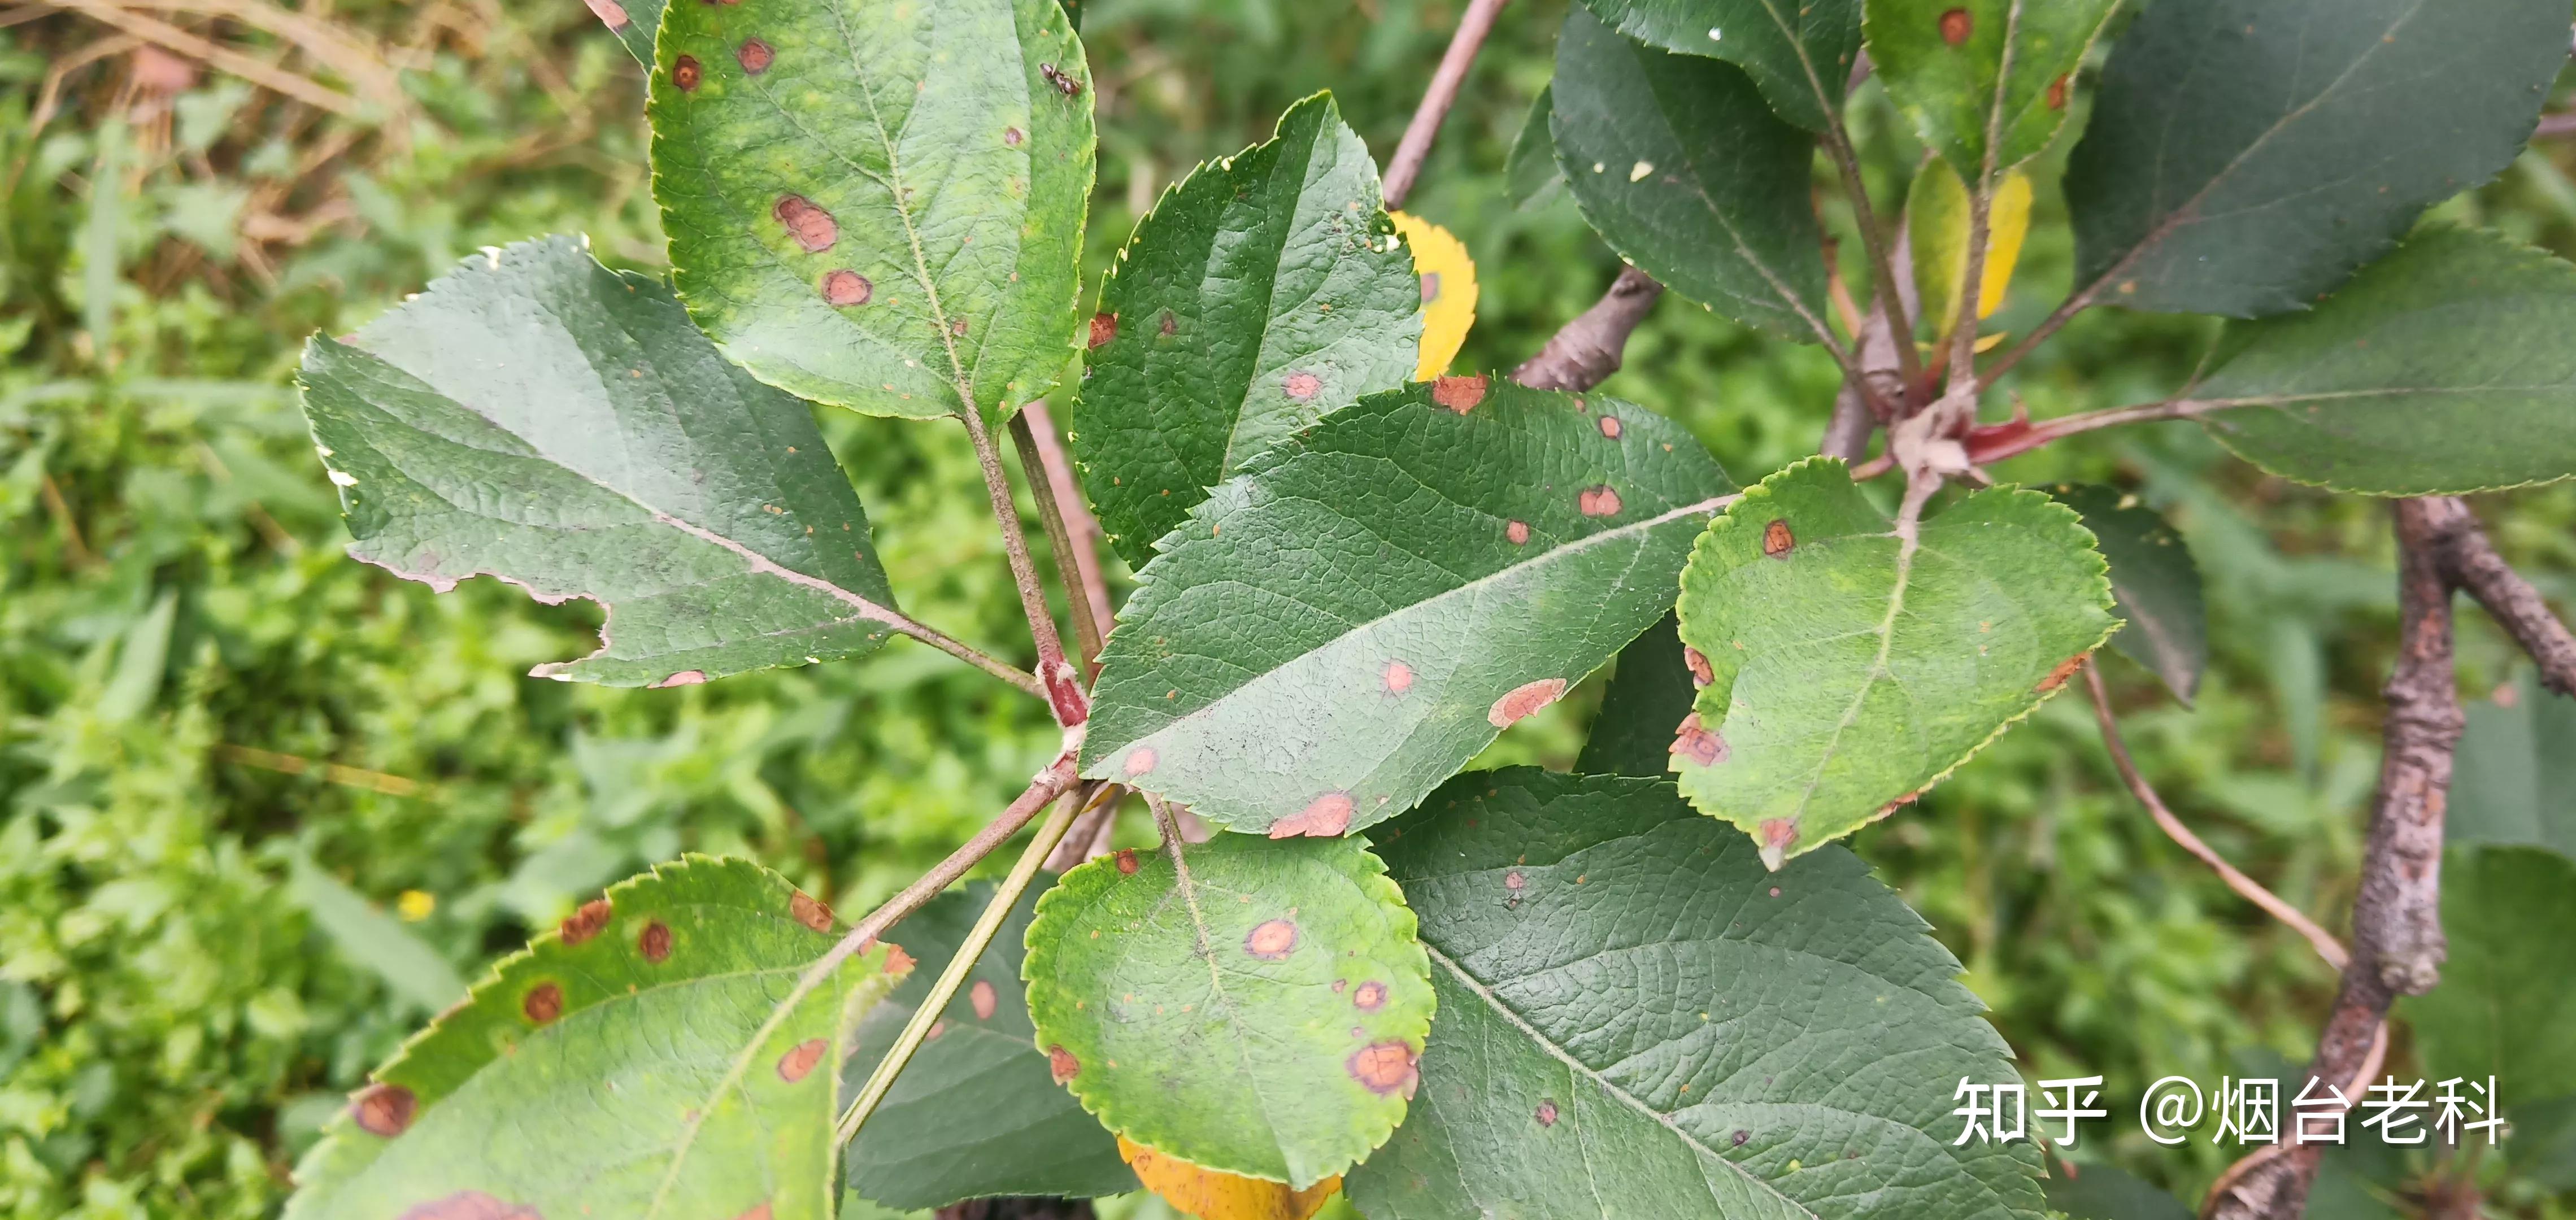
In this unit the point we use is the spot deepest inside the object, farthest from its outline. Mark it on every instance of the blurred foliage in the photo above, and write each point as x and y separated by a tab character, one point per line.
199	696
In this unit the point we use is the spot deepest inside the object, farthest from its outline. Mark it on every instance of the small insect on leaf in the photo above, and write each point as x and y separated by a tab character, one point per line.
1063	81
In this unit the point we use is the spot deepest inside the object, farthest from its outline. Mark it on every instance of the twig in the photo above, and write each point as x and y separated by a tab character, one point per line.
978	938
1412	150
1876	397
2472	563
1089	838
995	666
170	37
2552	126
1060	508
1882	268
1586	351
1061	685
2326	945
2370	1065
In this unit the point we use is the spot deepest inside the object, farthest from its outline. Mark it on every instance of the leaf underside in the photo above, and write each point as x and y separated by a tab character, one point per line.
1263	1019
1637	1019
1345	624
1264	292
635	1062
2155	586
1851	673
538	417
1964	72
1798	52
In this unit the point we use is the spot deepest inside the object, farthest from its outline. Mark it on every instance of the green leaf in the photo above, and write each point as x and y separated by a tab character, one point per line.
374	940
2155	586
975	1113
1345	624
878	204
2244	156
1968	71
2105	1192
1648	696
633	22
2439	369
1636	1019
1680	165
1260	1013
653	1057
1850	670
1265	292
2516	770
1798	52
538	417
2508	992
1530	175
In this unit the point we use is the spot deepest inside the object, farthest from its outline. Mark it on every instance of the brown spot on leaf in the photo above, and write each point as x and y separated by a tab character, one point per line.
586	922
384	1110
1776	539
654	942
1323	817
684	73
1546	1112
1370	997
1061	1064
981	996
1430	287
543	1004
2057	92
1166	327
1514	881
1739	1137
1696	743
755	55
1522	700
609	11
843	288
1610	426
686	677
1518	532
1602	501
812	227
2057	677
759	1211
1273	941
1104	327
958	328
1956	26
809	912
468	1205
1302	386
1894	805
1459	394
1127	862
1385	1067
800	1059
1011	137
1701	674
1398	677
898	961
1141	760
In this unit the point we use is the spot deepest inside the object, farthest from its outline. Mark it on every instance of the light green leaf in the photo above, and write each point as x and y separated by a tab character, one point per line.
1530	175
2439	369
2155	586
538	417
1260	1013
2244	156
653	1058
1853	667
2507	998
2105	1192
374	940
878	203
975	1113
1636	1019
1680	165
1647	698
1265	292
2514	778
1799	52
1967	72
1345	624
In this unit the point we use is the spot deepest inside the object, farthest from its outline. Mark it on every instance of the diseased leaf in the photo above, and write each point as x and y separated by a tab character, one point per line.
1937	224
1448	278
975	1113
1636	1019
1648	696
2439	369
1345	624
653	1057
1798	52
878	205
1680	165
1264	292
2244	156
2507	998
2155	586
2514	781
1852	668
1209	1195
1967	71
538	417
1530	175
2105	1192
1260	1014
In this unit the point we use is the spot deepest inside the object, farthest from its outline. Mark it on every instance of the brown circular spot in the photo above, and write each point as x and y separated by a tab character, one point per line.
898	962
1272	941
1956	26
1459	394
1430	287
1061	1064
1601	501
467	1205
759	1211
843	288
1517	531
1104	327
1011	137
1546	1112
384	1109
1302	386
1777	541
585	922
982	997
800	1059
755	55
1323	817
2057	92
1340	985
544	1004
2057	677
1694	742
1398	677
1514	881
1523	700
1385	1067
1370	997
958	328
1166	327
1141	760
684	73
809	912
654	942
1127	861
1741	1136
1775	891
1610	426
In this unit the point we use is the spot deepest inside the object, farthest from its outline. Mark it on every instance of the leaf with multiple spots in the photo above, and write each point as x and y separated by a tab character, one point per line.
2244	156
1798	52
1854	661
1530	175
2516	768
2508	993
1345	624
1682	167
1637	1019
1257	1011
658	1055
975	1113
878	205
2442	368
2155	586
1968	73
1266	291
538	417
1448	276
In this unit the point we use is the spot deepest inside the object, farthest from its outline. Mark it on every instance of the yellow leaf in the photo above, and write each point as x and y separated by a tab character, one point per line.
1936	224
1211	1195
1448	291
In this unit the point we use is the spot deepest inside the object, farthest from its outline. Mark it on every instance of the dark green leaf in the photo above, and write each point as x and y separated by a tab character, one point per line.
1799	52
2244	156
2155	586
2514	778
1530	176
1259	1014
1649	695
633	21
1265	292
1960	71
878	205
2507	998
975	1112
653	1057
2105	1192
2441	368
1636	1019
1345	624
538	417
1851	667
1680	165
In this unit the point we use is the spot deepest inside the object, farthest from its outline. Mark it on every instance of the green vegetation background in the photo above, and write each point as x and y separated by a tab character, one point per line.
183	647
